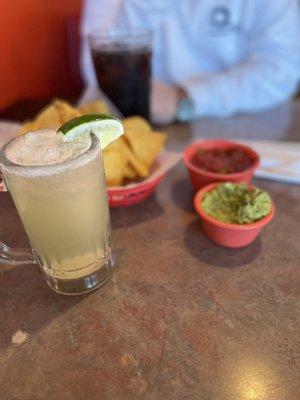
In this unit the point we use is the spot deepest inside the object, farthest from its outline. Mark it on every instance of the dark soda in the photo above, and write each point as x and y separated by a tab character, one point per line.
124	75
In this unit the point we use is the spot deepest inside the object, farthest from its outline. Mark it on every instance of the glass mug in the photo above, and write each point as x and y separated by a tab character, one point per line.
65	213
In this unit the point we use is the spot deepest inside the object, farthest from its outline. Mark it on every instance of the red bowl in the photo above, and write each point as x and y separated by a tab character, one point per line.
200	177
129	195
229	235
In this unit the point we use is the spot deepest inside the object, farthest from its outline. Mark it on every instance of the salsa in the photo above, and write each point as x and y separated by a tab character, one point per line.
222	161
235	203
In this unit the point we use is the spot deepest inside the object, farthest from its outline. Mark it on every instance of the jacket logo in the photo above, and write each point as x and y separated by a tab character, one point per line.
220	17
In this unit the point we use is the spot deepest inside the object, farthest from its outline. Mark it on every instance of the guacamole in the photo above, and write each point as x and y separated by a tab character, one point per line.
235	203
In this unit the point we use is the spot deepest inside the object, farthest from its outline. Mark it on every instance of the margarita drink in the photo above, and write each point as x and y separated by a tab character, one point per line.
60	193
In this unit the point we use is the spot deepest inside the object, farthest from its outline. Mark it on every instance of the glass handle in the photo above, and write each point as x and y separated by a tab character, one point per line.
15	256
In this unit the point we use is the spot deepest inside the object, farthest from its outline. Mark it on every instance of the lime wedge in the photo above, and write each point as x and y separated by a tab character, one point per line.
105	127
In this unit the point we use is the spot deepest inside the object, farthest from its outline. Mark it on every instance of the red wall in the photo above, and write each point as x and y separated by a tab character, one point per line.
34	61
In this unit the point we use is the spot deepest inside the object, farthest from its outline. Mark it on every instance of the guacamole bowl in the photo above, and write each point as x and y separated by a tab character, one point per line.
229	234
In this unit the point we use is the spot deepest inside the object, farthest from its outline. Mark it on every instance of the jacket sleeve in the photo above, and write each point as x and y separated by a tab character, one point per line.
269	74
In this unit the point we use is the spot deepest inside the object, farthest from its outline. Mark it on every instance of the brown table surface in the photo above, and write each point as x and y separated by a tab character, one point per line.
182	318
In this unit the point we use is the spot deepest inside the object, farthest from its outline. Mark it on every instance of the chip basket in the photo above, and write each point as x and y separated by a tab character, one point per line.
132	194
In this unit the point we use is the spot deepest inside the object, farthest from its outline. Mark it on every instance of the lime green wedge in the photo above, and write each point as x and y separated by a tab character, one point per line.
105	127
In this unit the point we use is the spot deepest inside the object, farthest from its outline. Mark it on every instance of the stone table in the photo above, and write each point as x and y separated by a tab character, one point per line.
181	318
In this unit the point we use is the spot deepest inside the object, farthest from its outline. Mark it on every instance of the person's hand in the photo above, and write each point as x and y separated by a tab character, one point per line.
164	102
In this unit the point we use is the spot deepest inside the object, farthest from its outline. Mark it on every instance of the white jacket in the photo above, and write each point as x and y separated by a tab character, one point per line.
229	55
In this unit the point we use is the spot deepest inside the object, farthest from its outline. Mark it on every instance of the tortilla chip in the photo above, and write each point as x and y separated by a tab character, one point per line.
48	117
136	124
65	111
121	145
27	126
146	146
129	172
51	116
141	168
94	107
114	163
118	144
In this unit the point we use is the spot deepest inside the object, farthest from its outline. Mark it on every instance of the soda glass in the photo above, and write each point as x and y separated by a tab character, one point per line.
122	63
59	191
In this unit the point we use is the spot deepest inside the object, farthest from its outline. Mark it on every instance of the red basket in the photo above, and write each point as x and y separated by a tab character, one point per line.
132	194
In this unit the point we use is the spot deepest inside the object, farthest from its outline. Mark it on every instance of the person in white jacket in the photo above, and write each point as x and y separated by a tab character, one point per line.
210	57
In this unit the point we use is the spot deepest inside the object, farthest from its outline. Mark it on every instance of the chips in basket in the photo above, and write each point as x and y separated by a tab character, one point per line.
94	107
140	145
136	124
114	163
130	158
58	112
145	146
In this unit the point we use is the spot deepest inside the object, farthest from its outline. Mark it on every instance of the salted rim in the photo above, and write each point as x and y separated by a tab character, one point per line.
36	171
